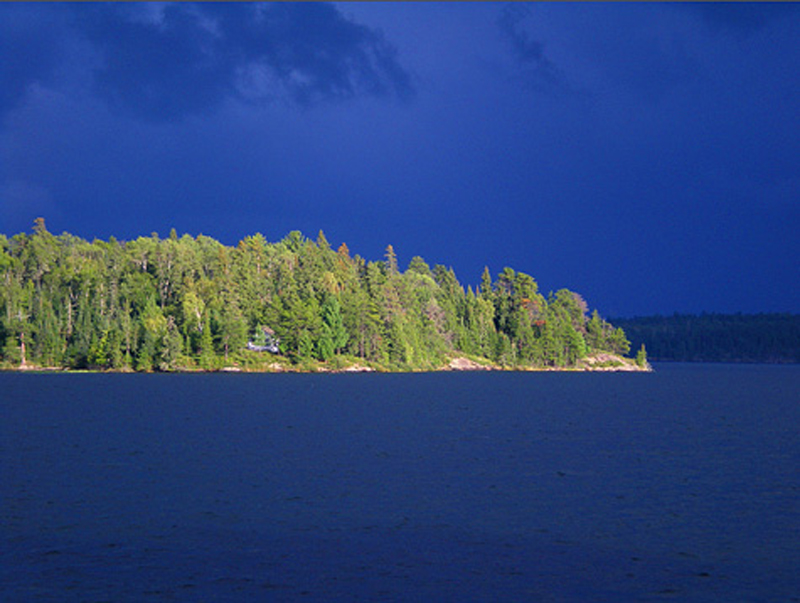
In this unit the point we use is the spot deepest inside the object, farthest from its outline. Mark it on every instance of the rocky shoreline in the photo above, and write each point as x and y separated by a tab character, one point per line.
602	362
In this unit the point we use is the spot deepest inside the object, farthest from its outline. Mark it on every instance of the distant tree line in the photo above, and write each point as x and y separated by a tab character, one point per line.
191	302
717	337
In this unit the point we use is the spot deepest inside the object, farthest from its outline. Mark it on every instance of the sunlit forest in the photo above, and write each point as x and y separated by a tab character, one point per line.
192	303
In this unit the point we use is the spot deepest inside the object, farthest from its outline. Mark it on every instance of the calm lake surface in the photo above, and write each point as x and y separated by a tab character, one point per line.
683	484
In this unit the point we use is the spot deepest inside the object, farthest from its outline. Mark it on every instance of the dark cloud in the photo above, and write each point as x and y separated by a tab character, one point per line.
159	68
313	52
163	61
536	66
677	144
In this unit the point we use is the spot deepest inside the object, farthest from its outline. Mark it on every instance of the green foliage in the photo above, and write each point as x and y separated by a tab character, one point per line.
171	347
205	349
334	336
155	304
641	357
305	345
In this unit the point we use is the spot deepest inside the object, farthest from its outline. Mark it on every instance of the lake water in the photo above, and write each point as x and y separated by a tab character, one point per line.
683	485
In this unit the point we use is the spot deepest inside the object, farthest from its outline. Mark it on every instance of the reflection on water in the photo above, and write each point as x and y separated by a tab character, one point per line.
463	487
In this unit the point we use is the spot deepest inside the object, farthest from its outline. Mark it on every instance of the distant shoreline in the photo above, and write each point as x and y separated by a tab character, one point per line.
767	338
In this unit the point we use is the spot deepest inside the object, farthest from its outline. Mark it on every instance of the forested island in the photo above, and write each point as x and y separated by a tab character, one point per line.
766	338
191	303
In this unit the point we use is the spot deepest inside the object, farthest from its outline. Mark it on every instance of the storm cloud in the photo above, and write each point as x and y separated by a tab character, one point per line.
643	154
537	68
161	62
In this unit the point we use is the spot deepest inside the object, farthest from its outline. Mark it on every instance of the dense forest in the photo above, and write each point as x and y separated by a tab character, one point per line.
192	303
717	337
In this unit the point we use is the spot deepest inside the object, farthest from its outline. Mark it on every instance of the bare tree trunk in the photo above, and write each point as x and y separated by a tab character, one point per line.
22	349
69	313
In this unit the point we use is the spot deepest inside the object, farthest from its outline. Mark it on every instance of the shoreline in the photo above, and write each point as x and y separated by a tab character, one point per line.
607	363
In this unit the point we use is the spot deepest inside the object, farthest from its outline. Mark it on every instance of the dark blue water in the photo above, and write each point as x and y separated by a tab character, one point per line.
683	484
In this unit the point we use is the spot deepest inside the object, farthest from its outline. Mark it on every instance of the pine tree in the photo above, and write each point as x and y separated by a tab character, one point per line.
391	261
333	325
171	346
206	345
641	357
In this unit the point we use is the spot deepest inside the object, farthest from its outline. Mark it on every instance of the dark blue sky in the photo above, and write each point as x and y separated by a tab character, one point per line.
644	155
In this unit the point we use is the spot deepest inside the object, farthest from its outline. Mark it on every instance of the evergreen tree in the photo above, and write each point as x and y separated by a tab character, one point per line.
641	357
206	345
391	260
334	334
171	346
486	291
231	328
305	345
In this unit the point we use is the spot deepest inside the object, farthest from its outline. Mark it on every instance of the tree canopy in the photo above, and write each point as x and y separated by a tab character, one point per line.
154	304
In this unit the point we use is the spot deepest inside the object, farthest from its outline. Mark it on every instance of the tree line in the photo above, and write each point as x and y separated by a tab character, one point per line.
771	337
193	303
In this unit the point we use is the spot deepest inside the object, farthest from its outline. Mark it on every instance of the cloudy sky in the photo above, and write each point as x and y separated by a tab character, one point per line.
644	155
